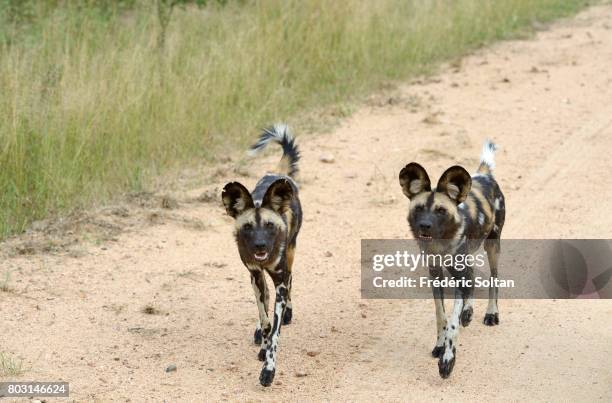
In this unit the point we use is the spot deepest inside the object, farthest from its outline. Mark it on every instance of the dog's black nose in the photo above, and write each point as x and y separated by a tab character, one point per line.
425	225
260	244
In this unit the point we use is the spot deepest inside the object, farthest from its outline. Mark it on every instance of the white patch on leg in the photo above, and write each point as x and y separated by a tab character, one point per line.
271	350
440	322
492	306
452	330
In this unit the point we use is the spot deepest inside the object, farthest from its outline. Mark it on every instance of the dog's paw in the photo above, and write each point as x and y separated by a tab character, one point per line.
287	316
262	355
257	337
466	316
266	377
491	319
446	364
437	351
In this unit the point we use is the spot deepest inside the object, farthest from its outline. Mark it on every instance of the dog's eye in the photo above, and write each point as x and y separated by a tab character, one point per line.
420	207
440	210
247	227
269	225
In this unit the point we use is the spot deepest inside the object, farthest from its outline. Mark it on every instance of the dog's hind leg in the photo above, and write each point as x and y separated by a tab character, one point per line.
468	298
269	369
492	247
262	298
438	294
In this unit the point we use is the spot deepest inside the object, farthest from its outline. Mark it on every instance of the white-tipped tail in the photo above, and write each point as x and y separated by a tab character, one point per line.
276	133
279	133
487	157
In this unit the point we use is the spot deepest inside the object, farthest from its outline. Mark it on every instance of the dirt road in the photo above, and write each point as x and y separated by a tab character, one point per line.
109	316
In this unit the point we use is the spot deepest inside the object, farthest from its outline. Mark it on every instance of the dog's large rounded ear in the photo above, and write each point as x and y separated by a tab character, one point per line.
455	182
278	196
236	199
414	179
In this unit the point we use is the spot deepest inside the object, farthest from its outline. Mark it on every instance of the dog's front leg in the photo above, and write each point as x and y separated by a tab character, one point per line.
262	298
267	373
438	294
289	309
447	358
287	316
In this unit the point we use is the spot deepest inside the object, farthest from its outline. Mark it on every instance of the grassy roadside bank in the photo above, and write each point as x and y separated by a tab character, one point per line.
88	108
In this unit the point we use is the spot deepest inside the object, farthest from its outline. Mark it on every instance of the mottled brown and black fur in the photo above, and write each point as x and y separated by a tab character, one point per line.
267	223
459	215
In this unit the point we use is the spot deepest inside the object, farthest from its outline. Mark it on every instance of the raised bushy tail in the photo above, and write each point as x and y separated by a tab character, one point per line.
279	133
487	158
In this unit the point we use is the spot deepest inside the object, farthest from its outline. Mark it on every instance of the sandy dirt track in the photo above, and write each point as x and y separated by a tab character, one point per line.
77	314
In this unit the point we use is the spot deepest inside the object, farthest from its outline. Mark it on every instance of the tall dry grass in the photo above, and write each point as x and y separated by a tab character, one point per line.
89	107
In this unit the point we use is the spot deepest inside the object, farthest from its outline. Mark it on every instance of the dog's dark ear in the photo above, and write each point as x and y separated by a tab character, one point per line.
414	179
278	196
455	182
236	199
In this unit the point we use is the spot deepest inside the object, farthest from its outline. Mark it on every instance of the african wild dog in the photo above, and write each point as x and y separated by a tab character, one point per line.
455	218
267	224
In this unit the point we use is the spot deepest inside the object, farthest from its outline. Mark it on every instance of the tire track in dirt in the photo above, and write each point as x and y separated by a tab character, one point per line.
545	101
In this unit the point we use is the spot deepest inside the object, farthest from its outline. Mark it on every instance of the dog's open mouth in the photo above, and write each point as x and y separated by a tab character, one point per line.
425	237
261	256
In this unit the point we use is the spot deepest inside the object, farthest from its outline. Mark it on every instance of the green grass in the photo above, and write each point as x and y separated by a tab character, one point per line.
10	366
4	283
88	111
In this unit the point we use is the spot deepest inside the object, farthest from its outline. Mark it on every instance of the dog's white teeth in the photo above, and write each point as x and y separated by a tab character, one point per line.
261	256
